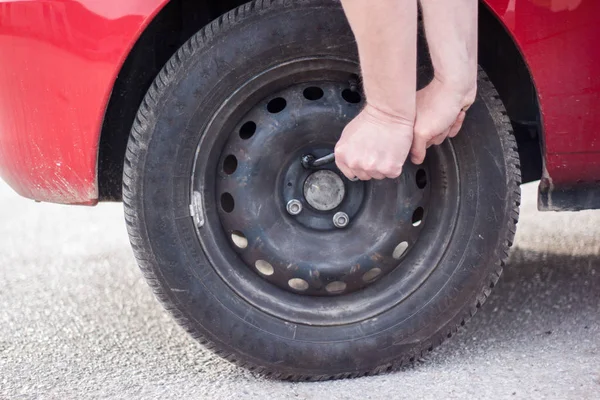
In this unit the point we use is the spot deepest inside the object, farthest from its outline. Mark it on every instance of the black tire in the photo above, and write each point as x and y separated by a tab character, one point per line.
156	191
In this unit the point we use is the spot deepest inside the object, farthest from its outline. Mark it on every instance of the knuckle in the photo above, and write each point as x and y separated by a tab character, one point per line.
422	132
369	165
353	164
392	171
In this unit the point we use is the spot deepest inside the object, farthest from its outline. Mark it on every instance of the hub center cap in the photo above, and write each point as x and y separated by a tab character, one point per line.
324	190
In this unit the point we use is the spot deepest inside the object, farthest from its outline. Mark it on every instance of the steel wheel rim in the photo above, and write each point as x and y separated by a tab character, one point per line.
296	294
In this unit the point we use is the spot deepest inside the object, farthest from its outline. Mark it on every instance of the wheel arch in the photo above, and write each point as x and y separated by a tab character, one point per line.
507	68
174	24
180	19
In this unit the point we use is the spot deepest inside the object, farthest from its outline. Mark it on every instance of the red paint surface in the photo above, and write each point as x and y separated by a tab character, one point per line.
59	60
58	63
559	40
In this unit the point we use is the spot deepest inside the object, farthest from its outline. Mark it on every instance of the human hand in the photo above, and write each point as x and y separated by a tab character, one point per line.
374	145
441	111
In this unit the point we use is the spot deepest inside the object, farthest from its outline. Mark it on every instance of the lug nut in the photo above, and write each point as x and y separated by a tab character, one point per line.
294	207
341	220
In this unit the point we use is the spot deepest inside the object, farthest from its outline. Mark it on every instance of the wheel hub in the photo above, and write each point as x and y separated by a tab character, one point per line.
324	190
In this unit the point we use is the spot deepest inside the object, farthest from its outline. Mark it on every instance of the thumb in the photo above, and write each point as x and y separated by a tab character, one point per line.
458	124
418	150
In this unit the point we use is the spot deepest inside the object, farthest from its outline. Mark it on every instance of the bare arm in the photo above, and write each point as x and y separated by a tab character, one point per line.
376	143
451	29
386	34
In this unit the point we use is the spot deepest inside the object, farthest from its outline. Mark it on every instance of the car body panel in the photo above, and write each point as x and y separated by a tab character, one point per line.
60	60
558	39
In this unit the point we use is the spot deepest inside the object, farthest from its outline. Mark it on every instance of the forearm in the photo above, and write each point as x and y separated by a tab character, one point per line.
451	29
386	34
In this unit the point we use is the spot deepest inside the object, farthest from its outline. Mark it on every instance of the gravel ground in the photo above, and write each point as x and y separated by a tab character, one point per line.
77	319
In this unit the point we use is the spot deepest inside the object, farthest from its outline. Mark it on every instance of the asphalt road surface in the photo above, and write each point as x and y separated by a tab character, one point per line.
77	320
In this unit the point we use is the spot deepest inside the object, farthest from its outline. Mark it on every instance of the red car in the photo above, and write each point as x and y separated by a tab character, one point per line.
197	114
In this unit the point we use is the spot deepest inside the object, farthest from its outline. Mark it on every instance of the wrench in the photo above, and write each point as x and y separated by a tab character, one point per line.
310	162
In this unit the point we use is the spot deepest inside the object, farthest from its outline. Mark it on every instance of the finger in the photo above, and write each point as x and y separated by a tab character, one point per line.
393	174
362	175
418	150
373	168
376	175
344	169
439	139
457	125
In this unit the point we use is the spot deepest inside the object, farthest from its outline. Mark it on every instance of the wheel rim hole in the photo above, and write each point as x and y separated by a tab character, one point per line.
400	250
247	130
313	93
335	287
264	267
239	239
276	105
298	284
371	275
227	202
351	97
230	164
421	179
417	217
